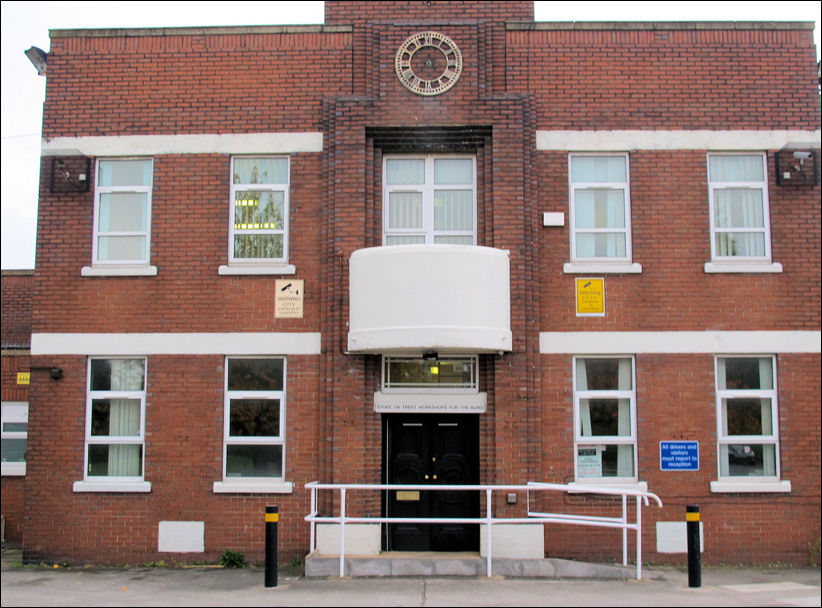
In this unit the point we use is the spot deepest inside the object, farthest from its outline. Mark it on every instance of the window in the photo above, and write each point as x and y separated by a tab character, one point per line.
600	208
429	199
259	211
747	412
254	426
15	418
738	191
122	210
440	374
115	419
604	418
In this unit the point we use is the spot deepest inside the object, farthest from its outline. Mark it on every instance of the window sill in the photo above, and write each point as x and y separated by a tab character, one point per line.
112	486
763	267
602	268
268	269
253	487
749	485
119	271
13	469
584	485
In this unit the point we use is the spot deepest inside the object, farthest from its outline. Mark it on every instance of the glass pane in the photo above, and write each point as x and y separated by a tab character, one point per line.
453	210
15	427
748	417
600	245
404	239
404	171
115	460
738	208
605	417
260	171
124	173
259	210
442	373
605	461
254	461
13	450
748	460
604	374
115	417
453	171
747	373
126	248
599	208
254	418
258	246
602	169
736	168
404	209
255	374
117	374
122	212
743	244
453	240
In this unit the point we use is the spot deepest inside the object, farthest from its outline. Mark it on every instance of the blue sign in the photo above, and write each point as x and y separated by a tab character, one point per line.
679	455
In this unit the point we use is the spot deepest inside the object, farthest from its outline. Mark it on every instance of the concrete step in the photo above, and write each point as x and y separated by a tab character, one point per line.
467	564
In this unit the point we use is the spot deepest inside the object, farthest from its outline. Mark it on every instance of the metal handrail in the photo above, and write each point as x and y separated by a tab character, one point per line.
622	522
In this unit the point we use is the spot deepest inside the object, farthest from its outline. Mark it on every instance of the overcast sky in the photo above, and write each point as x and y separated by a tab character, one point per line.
26	24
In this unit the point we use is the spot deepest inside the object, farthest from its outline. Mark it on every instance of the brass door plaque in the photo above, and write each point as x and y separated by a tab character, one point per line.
408	495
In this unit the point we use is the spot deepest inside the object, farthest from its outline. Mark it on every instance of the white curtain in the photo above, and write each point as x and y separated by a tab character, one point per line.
625	452
453	210
739	208
405	210
124	417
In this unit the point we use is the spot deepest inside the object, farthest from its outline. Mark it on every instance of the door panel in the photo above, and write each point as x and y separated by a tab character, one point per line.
432	449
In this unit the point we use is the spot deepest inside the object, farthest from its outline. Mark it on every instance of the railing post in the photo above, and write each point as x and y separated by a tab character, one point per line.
313	527
342	532
638	538
624	530
488	549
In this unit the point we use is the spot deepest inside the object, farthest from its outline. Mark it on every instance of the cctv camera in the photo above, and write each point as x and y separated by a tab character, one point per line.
801	155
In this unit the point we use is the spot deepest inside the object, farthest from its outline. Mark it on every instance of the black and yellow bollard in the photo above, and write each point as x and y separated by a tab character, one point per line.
272	518
694	546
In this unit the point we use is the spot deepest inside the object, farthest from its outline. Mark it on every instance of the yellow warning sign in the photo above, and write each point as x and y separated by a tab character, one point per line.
23	377
591	297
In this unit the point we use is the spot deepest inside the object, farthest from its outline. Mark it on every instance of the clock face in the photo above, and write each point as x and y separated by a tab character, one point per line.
428	63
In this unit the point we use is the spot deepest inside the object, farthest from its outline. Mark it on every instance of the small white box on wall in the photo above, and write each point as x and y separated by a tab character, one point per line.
553	218
181	537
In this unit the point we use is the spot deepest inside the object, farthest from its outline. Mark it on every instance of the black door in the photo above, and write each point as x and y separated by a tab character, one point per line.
432	449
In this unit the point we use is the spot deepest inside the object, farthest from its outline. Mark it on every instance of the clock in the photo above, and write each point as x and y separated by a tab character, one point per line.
428	63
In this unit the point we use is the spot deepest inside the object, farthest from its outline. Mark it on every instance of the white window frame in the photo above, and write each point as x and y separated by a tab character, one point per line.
582	441
105	483
15	412
278	265
738	483
254	484
471	388
427	190
733	263
118	267
623	264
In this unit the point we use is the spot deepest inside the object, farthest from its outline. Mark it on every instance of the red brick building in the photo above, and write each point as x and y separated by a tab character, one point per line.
17	291
457	244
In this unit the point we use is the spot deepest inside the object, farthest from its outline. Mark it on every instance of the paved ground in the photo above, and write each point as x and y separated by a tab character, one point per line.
203	586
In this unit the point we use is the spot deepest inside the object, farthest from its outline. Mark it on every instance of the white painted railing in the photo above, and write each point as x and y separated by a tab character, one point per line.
489	520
